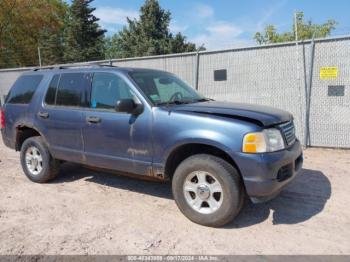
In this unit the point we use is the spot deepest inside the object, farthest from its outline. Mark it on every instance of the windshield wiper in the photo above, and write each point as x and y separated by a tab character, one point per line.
181	102
175	102
204	99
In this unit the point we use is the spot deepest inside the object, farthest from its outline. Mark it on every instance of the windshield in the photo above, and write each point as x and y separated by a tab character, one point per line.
163	88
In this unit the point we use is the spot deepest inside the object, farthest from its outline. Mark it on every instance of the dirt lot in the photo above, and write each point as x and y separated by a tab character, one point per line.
89	212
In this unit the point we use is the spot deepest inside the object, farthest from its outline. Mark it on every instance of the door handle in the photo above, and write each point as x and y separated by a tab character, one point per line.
43	115
93	119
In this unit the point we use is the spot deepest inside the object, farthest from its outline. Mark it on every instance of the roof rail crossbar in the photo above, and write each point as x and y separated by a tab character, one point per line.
107	65
101	64
44	68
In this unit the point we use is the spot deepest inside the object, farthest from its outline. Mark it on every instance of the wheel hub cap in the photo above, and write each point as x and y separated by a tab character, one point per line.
203	192
34	160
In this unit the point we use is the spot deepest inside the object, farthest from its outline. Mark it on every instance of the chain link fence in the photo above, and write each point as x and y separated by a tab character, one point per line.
310	79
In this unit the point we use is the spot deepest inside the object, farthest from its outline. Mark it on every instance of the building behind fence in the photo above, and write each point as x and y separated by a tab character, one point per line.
274	75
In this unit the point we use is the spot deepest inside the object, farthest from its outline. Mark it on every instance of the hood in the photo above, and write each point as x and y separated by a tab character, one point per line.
261	115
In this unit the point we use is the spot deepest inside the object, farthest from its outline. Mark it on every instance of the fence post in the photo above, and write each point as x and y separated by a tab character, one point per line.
196	72
305	78
308	94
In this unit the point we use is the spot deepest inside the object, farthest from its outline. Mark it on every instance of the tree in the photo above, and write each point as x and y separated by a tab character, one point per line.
306	30
178	44
112	48
83	36
7	8
150	35
51	41
51	47
22	29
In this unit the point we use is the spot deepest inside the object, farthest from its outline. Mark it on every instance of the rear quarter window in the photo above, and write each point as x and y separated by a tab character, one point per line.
23	89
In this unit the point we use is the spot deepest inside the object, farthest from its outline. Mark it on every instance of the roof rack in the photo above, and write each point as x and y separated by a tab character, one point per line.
73	66
107	65
101	64
44	68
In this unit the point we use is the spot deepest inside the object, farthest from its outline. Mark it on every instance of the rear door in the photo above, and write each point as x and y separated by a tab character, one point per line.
60	116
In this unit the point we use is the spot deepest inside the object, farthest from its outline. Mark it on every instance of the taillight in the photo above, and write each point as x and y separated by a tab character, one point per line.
2	119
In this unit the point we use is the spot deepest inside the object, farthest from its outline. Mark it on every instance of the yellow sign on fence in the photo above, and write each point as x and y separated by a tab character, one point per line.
328	72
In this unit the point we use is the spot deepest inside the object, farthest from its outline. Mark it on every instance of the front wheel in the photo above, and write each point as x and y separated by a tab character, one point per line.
208	190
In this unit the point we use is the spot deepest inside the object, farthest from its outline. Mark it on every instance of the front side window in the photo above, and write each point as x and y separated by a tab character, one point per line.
71	89
164	88
24	89
107	89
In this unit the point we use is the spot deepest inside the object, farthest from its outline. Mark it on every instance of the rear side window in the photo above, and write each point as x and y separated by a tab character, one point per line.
51	91
23	90
72	89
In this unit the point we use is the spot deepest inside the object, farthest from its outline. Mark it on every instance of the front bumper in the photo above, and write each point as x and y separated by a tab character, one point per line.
265	175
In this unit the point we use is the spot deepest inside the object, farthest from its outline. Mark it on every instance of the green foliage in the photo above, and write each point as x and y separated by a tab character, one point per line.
51	47
112	47
149	35
178	44
306	30
83	37
70	33
63	33
25	25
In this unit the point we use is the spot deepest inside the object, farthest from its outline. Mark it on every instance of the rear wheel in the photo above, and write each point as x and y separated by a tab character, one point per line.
207	190
37	163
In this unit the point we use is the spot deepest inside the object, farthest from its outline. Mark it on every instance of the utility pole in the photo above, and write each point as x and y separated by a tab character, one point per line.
110	55
296	27
39	56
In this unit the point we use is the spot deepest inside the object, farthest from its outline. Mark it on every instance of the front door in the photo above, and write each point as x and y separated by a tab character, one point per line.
115	140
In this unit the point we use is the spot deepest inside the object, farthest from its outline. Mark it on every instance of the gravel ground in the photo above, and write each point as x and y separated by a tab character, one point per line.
90	212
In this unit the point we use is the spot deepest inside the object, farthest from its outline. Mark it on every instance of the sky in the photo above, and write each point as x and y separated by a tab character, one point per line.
224	23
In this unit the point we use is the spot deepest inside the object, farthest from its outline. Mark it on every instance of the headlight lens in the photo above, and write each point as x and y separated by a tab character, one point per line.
274	139
269	140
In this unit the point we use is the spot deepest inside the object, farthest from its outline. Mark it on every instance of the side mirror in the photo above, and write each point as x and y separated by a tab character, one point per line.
128	106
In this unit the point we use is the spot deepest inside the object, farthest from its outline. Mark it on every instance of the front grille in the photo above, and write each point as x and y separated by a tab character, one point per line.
288	131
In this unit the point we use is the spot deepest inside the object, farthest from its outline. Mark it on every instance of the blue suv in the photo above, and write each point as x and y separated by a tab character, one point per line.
152	124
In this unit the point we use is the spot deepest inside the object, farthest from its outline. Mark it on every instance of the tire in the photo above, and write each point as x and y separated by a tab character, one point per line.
38	171
201	173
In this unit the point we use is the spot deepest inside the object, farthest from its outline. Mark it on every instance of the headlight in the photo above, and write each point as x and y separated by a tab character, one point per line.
269	140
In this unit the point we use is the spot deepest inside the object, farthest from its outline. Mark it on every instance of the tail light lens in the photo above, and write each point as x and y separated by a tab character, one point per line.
2	119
